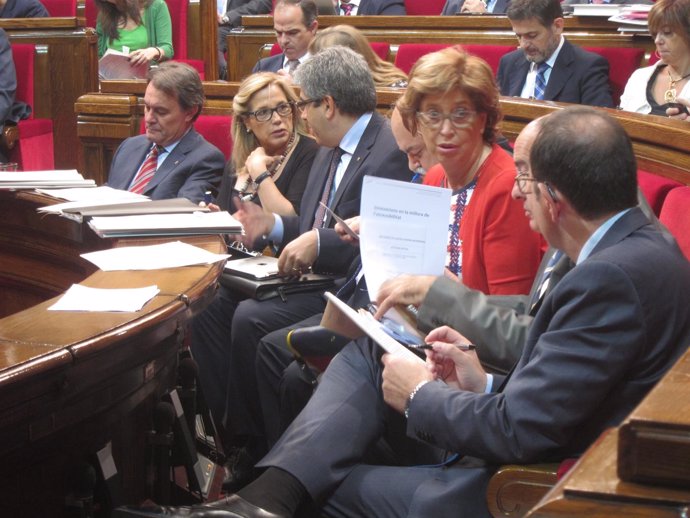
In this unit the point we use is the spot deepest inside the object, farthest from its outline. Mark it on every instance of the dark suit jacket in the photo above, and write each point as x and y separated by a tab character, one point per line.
454	6
234	9
23	9
578	77
383	7
377	154
193	167
269	64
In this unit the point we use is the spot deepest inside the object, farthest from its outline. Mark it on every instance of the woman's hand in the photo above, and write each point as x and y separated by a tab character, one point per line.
676	113
141	56
456	367
257	162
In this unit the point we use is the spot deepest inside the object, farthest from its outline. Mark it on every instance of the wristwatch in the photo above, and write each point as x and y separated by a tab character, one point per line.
225	19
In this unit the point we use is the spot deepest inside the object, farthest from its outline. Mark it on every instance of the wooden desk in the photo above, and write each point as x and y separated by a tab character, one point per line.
70	382
245	46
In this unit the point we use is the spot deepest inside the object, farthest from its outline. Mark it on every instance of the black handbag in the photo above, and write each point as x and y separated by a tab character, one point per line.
264	289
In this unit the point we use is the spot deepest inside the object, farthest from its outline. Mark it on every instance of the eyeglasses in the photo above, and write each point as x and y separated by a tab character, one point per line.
459	118
302	104
266	114
521	182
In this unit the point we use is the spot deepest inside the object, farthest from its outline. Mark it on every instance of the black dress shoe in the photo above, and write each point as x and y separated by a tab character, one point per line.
239	470
233	506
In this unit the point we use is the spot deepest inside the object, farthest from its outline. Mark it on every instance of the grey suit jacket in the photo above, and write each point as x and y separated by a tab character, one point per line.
578	77
192	168
454	6
377	154
236	8
602	338
269	64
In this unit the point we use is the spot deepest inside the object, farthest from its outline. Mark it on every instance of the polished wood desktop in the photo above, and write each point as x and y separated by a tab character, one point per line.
73	383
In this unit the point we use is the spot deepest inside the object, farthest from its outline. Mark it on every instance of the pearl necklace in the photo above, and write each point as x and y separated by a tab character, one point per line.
244	193
670	94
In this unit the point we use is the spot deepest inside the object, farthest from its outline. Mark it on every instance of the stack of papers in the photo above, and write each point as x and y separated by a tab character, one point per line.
83	298
78	198
596	9
196	223
116	65
123	207
632	18
43	180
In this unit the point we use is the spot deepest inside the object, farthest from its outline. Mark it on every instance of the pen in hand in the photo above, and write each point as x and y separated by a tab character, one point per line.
429	347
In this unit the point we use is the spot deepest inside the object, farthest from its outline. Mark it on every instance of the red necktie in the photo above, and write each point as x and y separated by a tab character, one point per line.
148	169
326	195
347	8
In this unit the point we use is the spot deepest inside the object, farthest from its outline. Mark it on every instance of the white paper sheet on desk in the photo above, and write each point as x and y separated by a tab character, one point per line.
403	230
87	196
83	298
152	257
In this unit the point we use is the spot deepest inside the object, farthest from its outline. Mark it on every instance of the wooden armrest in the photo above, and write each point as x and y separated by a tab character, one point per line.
9	137
514	490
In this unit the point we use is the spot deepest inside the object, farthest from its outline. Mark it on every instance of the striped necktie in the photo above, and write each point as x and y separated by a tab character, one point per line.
540	82
347	8
146	172
326	196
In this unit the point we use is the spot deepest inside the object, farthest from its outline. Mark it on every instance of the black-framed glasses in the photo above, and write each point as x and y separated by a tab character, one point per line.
301	105
266	114
521	182
459	118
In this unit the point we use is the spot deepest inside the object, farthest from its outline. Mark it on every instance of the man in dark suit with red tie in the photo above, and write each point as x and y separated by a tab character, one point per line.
171	160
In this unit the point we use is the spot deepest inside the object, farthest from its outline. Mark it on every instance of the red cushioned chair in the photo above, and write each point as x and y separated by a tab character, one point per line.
623	61
655	188
90	13
178	17
61	8
409	53
214	128
34	150
675	214
424	7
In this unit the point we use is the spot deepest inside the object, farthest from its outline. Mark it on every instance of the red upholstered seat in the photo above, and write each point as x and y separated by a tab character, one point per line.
34	150
214	128
90	13
275	49
61	8
655	188
178	17
623	61
675	214
424	7
409	53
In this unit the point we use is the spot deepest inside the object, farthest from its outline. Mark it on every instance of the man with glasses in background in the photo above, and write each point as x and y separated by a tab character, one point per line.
547	66
295	25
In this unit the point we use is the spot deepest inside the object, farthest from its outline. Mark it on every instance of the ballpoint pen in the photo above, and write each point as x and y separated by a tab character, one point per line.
429	347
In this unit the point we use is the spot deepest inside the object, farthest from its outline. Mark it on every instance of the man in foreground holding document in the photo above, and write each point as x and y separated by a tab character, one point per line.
602	338
171	160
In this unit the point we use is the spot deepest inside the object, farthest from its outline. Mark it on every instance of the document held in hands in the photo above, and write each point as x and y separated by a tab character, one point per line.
403	230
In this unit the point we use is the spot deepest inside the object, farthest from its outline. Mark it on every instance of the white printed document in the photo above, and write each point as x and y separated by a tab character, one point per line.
152	257
403	230
83	298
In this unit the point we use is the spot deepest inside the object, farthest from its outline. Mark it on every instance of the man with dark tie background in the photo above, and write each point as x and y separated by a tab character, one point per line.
547	66
295	24
171	160
370	7
231	18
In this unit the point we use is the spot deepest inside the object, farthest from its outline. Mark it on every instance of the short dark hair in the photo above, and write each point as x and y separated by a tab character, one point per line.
309	10
546	11
588	157
181	81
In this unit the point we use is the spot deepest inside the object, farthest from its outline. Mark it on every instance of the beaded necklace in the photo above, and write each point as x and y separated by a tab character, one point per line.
670	94
244	192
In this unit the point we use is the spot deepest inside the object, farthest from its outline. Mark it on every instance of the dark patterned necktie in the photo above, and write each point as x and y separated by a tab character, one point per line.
326	194
148	169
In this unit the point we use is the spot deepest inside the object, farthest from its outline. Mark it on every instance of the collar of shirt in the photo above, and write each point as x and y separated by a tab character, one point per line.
528	88
349	144
355	8
301	60
598	235
165	151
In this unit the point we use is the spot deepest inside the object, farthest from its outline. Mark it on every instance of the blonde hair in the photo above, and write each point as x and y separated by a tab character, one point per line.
447	70
383	72
245	142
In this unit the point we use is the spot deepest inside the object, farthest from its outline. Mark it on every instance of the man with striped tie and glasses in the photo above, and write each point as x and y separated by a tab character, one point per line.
546	66
171	160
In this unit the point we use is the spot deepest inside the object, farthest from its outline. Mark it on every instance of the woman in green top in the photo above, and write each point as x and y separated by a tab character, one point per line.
143	26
